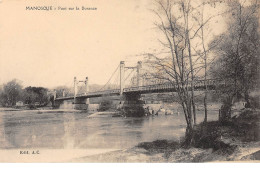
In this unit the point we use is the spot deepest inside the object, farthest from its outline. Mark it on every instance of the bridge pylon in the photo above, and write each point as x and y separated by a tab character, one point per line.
79	103
63	93
138	71
87	89
122	74
138	74
75	88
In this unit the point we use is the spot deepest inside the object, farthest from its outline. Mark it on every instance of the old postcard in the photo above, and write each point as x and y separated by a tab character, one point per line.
129	81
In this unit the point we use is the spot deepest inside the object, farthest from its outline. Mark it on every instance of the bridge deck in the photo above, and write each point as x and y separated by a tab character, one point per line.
158	88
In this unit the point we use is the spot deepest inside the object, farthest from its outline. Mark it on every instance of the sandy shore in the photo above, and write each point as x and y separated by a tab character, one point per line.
249	152
47	155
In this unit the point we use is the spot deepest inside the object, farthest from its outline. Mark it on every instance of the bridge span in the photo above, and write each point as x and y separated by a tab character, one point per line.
130	95
157	88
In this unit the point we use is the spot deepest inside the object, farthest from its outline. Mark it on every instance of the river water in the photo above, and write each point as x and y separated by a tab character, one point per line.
75	130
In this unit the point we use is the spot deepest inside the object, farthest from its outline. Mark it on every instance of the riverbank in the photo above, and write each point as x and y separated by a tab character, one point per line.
237	140
172	107
38	110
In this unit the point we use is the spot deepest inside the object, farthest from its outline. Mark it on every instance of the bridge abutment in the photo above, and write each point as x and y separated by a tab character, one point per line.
133	106
81	103
78	104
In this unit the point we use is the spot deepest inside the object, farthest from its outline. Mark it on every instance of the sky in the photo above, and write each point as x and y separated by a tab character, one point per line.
49	48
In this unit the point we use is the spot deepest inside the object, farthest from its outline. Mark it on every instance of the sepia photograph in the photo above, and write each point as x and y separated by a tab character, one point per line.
129	81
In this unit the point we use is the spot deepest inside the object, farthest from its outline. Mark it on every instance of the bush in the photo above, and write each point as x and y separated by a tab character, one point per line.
105	104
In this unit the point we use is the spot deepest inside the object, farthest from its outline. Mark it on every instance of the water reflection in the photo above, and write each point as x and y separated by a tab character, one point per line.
134	122
69	130
32	129
2	130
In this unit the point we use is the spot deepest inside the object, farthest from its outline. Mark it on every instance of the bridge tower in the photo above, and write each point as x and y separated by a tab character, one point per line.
138	76
122	74
87	89
75	89
132	103
54	94
63	93
80	103
138	70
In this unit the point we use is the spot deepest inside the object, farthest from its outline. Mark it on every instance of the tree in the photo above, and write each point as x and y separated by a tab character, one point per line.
1	95
31	95
60	90
11	93
177	65
182	24
202	49
238	61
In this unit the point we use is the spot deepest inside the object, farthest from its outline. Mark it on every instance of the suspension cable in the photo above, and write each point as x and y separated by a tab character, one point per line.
116	81
109	78
129	74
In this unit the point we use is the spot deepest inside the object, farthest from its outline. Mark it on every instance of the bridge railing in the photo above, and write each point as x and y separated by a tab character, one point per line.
149	87
197	84
104	92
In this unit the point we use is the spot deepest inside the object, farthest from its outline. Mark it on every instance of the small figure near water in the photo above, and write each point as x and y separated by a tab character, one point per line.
150	111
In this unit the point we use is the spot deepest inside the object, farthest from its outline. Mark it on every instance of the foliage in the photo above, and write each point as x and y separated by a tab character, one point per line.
238	53
181	23
11	93
60	90
32	95
186	51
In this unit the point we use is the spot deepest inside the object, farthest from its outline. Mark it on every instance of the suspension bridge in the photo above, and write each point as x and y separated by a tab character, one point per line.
128	82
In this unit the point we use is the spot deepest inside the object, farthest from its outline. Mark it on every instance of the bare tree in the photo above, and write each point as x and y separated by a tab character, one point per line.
204	50
177	67
181	22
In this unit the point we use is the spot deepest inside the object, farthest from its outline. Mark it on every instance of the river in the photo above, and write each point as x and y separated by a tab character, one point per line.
55	129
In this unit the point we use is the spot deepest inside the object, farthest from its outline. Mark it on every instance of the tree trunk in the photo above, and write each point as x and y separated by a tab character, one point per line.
205	107
225	111
188	135
192	80
205	69
206	91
